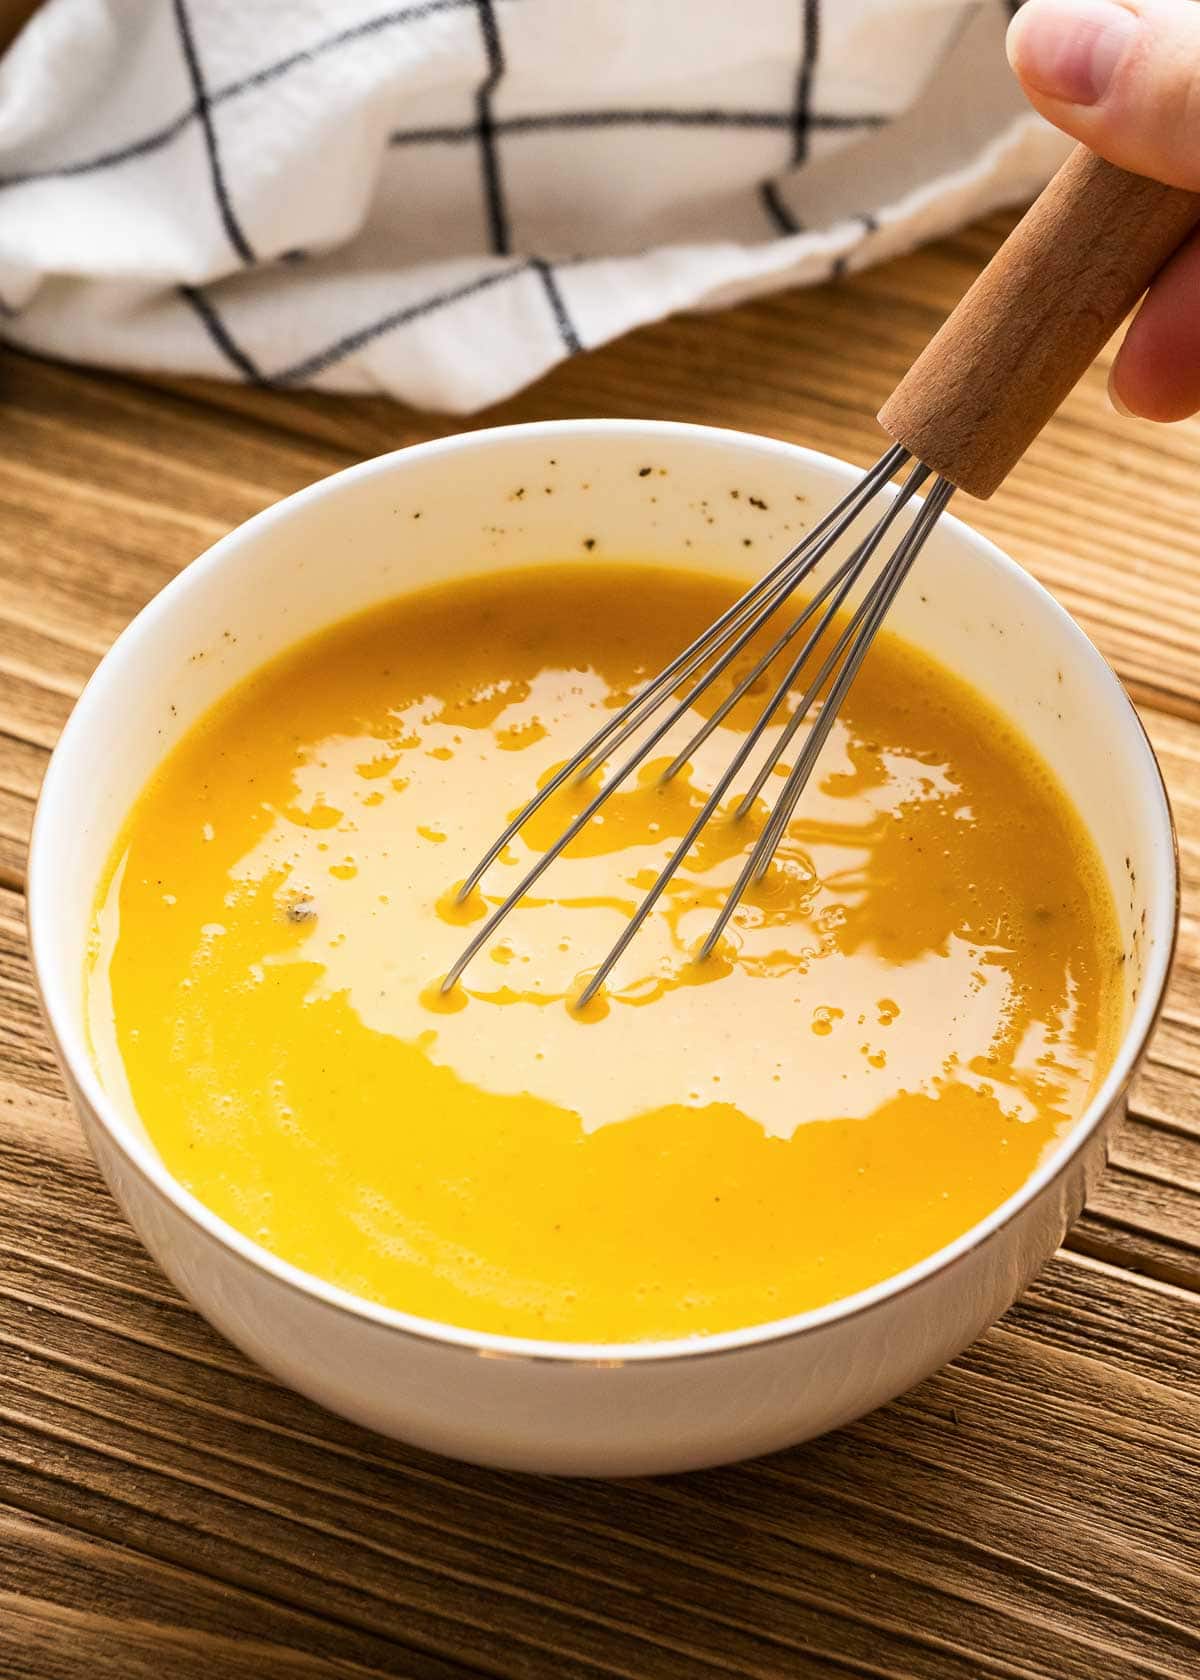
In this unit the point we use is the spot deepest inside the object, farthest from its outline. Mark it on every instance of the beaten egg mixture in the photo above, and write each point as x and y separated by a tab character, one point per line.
917	1000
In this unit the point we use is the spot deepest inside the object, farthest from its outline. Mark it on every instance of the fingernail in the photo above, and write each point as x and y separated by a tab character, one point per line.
1115	398
1070	49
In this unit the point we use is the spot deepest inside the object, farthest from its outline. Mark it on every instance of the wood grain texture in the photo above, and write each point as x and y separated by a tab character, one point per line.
1036	319
1031	1513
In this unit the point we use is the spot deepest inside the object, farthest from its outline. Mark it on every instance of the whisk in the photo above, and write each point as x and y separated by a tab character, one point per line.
961	418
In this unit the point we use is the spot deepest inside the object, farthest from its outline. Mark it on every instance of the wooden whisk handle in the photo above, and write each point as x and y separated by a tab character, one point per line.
1034	320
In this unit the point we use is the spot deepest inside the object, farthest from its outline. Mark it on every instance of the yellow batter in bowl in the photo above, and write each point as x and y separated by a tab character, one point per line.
919	999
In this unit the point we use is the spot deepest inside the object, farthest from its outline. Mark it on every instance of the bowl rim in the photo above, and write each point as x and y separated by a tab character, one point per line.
65	1027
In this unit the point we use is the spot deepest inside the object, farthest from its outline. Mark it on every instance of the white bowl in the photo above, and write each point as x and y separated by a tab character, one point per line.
355	539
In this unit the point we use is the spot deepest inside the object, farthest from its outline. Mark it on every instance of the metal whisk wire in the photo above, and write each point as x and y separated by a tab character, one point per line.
970	406
864	625
722	642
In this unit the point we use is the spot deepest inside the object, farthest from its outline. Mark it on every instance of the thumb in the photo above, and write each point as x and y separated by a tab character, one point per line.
1123	76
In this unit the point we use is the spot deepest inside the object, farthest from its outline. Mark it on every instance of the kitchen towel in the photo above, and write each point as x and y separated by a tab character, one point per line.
442	198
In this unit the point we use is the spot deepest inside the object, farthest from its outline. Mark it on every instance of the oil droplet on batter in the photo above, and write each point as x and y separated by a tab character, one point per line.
595	1009
318	815
458	911
720	961
444	1003
520	735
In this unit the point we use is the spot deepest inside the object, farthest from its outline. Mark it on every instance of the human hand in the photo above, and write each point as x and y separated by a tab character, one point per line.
1123	76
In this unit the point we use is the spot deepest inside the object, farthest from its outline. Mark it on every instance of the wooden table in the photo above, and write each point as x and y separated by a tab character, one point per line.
167	1511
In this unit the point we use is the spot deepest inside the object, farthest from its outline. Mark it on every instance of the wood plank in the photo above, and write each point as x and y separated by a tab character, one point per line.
1095	502
1031	1512
91	1337
224	1472
946	1505
71	1603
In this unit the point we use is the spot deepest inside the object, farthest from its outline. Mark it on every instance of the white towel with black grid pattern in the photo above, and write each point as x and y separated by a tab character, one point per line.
442	198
